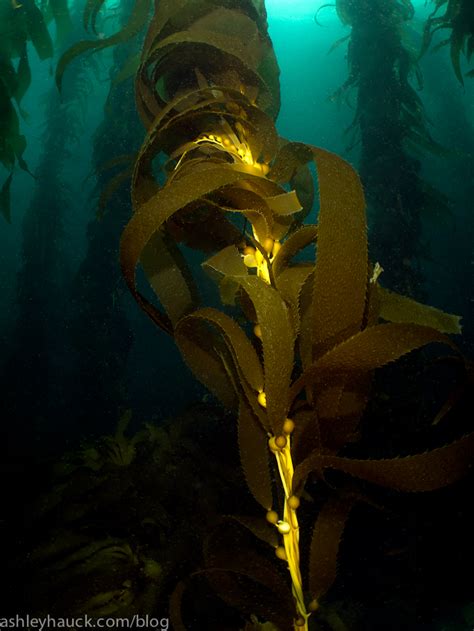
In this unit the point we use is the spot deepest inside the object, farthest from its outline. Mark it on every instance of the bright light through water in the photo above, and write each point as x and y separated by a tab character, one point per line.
306	9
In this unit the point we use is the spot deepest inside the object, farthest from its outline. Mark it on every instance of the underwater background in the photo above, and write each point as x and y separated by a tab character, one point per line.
116	461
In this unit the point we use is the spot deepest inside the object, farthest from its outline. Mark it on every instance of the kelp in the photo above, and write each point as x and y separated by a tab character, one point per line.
134	25
391	125
21	23
458	19
299	370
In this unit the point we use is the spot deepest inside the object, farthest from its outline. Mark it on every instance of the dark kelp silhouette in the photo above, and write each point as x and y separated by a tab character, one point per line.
458	17
21	22
207	94
392	129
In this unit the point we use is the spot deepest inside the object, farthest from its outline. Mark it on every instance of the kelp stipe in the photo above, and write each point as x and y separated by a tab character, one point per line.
207	93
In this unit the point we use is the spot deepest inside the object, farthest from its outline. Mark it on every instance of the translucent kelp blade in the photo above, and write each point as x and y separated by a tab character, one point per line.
285	203
227	262
5	198
340	278
422	472
245	578
253	449
198	348
170	277
397	308
149	218
370	349
325	542
278	338
295	243
136	22
290	284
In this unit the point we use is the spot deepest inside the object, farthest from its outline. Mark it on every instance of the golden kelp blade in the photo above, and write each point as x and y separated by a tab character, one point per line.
372	348
422	472
397	308
254	456
325	542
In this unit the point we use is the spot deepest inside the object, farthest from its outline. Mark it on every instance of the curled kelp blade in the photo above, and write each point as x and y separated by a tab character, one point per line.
237	342
421	472
151	216
245	578
370	349
134	25
216	36
296	242
254	456
326	538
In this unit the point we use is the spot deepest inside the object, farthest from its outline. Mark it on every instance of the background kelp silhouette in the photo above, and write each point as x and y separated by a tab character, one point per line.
304	321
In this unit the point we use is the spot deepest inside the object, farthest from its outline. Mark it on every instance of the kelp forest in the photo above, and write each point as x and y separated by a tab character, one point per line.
237	334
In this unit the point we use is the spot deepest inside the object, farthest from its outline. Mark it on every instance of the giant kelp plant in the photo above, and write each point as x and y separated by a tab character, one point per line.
21	22
315	322
102	352
391	126
458	18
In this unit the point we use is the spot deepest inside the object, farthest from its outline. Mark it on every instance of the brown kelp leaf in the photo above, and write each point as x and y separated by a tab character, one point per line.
422	472
370	349
341	259
5	198
397	308
224	44
295	243
303	183
136	22
227	262
197	346
149	218
259	527
245	578
290	285
278	338
169	276
253	448
237	342
285	203
325	543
